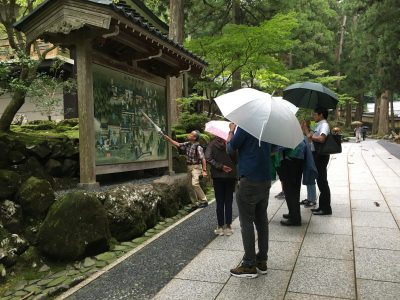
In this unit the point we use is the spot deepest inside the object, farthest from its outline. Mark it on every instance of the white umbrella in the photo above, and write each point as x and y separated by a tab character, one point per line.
266	118
218	128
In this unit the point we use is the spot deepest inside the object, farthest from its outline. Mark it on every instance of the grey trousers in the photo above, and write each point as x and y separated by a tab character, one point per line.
252	200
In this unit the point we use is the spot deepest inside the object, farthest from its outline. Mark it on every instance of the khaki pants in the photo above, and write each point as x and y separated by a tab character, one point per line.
195	192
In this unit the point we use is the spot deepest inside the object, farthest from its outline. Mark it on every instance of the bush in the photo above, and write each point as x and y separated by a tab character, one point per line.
188	122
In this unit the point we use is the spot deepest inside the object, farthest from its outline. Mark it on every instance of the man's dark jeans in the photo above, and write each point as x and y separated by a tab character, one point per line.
321	162
223	189
252	200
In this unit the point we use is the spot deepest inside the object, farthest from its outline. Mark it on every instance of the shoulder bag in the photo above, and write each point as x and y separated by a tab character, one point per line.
332	145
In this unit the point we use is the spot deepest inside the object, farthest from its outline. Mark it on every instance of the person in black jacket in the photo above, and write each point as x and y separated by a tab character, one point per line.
223	173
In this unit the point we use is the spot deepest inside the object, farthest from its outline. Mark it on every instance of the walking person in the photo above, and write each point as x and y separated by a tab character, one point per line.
196	167
223	173
358	130
254	171
321	161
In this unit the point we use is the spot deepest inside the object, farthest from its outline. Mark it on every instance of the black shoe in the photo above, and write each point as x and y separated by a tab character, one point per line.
191	209
304	202
203	204
286	216
322	213
315	209
310	204
290	223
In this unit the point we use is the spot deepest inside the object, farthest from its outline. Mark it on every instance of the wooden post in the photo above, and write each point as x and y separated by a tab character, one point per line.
87	153
170	108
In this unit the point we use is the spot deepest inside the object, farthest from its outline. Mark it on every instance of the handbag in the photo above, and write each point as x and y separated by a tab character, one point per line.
332	145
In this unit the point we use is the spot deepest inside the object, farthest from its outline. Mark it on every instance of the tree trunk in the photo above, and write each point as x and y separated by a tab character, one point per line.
376	116
176	33
236	75
348	115
340	48
392	125
359	108
18	99
383	126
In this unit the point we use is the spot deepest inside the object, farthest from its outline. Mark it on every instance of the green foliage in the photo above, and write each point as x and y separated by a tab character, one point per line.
249	48
46	90
189	119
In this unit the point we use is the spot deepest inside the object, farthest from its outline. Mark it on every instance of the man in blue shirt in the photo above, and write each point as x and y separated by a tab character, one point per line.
252	199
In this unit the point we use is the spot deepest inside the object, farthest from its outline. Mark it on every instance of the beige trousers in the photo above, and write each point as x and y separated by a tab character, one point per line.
195	192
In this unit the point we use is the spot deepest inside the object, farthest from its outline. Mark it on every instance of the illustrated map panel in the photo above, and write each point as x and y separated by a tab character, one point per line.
123	133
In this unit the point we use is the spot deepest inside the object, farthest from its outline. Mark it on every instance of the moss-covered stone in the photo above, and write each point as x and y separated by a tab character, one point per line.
35	196
75	226
9	183
131	209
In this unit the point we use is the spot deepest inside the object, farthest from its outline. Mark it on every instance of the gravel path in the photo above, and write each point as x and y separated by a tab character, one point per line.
144	273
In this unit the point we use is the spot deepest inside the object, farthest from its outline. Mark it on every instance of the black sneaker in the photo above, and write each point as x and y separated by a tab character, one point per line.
244	272
262	267
281	195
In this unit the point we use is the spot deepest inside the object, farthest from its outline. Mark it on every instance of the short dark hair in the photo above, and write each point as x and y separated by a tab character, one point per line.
323	111
197	135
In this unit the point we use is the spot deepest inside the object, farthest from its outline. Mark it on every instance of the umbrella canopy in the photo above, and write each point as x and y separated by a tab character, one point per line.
356	123
310	95
218	128
266	118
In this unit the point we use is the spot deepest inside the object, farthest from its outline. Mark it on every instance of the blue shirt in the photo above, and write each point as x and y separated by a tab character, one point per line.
254	161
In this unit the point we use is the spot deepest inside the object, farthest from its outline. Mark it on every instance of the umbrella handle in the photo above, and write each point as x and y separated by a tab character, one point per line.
262	130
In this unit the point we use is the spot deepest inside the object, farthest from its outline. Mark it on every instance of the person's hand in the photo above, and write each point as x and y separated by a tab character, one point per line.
204	173
232	126
226	169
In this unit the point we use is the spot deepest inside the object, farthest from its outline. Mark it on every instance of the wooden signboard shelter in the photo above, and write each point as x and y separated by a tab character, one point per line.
124	36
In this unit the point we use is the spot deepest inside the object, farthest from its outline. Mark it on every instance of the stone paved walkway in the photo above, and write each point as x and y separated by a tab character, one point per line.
353	254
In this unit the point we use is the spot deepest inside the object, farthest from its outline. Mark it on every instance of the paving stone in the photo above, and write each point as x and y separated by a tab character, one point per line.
129	244
341	210
300	296
140	240
21	285
159	227
72	272
33	288
101	264
179	289
88	262
373	219
369	205
378	238
277	232
264	287
219	261
325	277
330	224
233	242
328	246
106	256
44	282
20	293
121	248
56	281
282	255
378	264
372	290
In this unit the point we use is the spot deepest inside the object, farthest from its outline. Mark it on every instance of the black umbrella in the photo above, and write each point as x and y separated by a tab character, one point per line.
310	95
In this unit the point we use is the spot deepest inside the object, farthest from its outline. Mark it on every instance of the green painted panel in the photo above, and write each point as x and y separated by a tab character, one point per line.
123	134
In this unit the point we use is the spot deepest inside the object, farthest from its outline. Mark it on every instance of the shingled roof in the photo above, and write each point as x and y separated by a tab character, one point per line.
123	9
